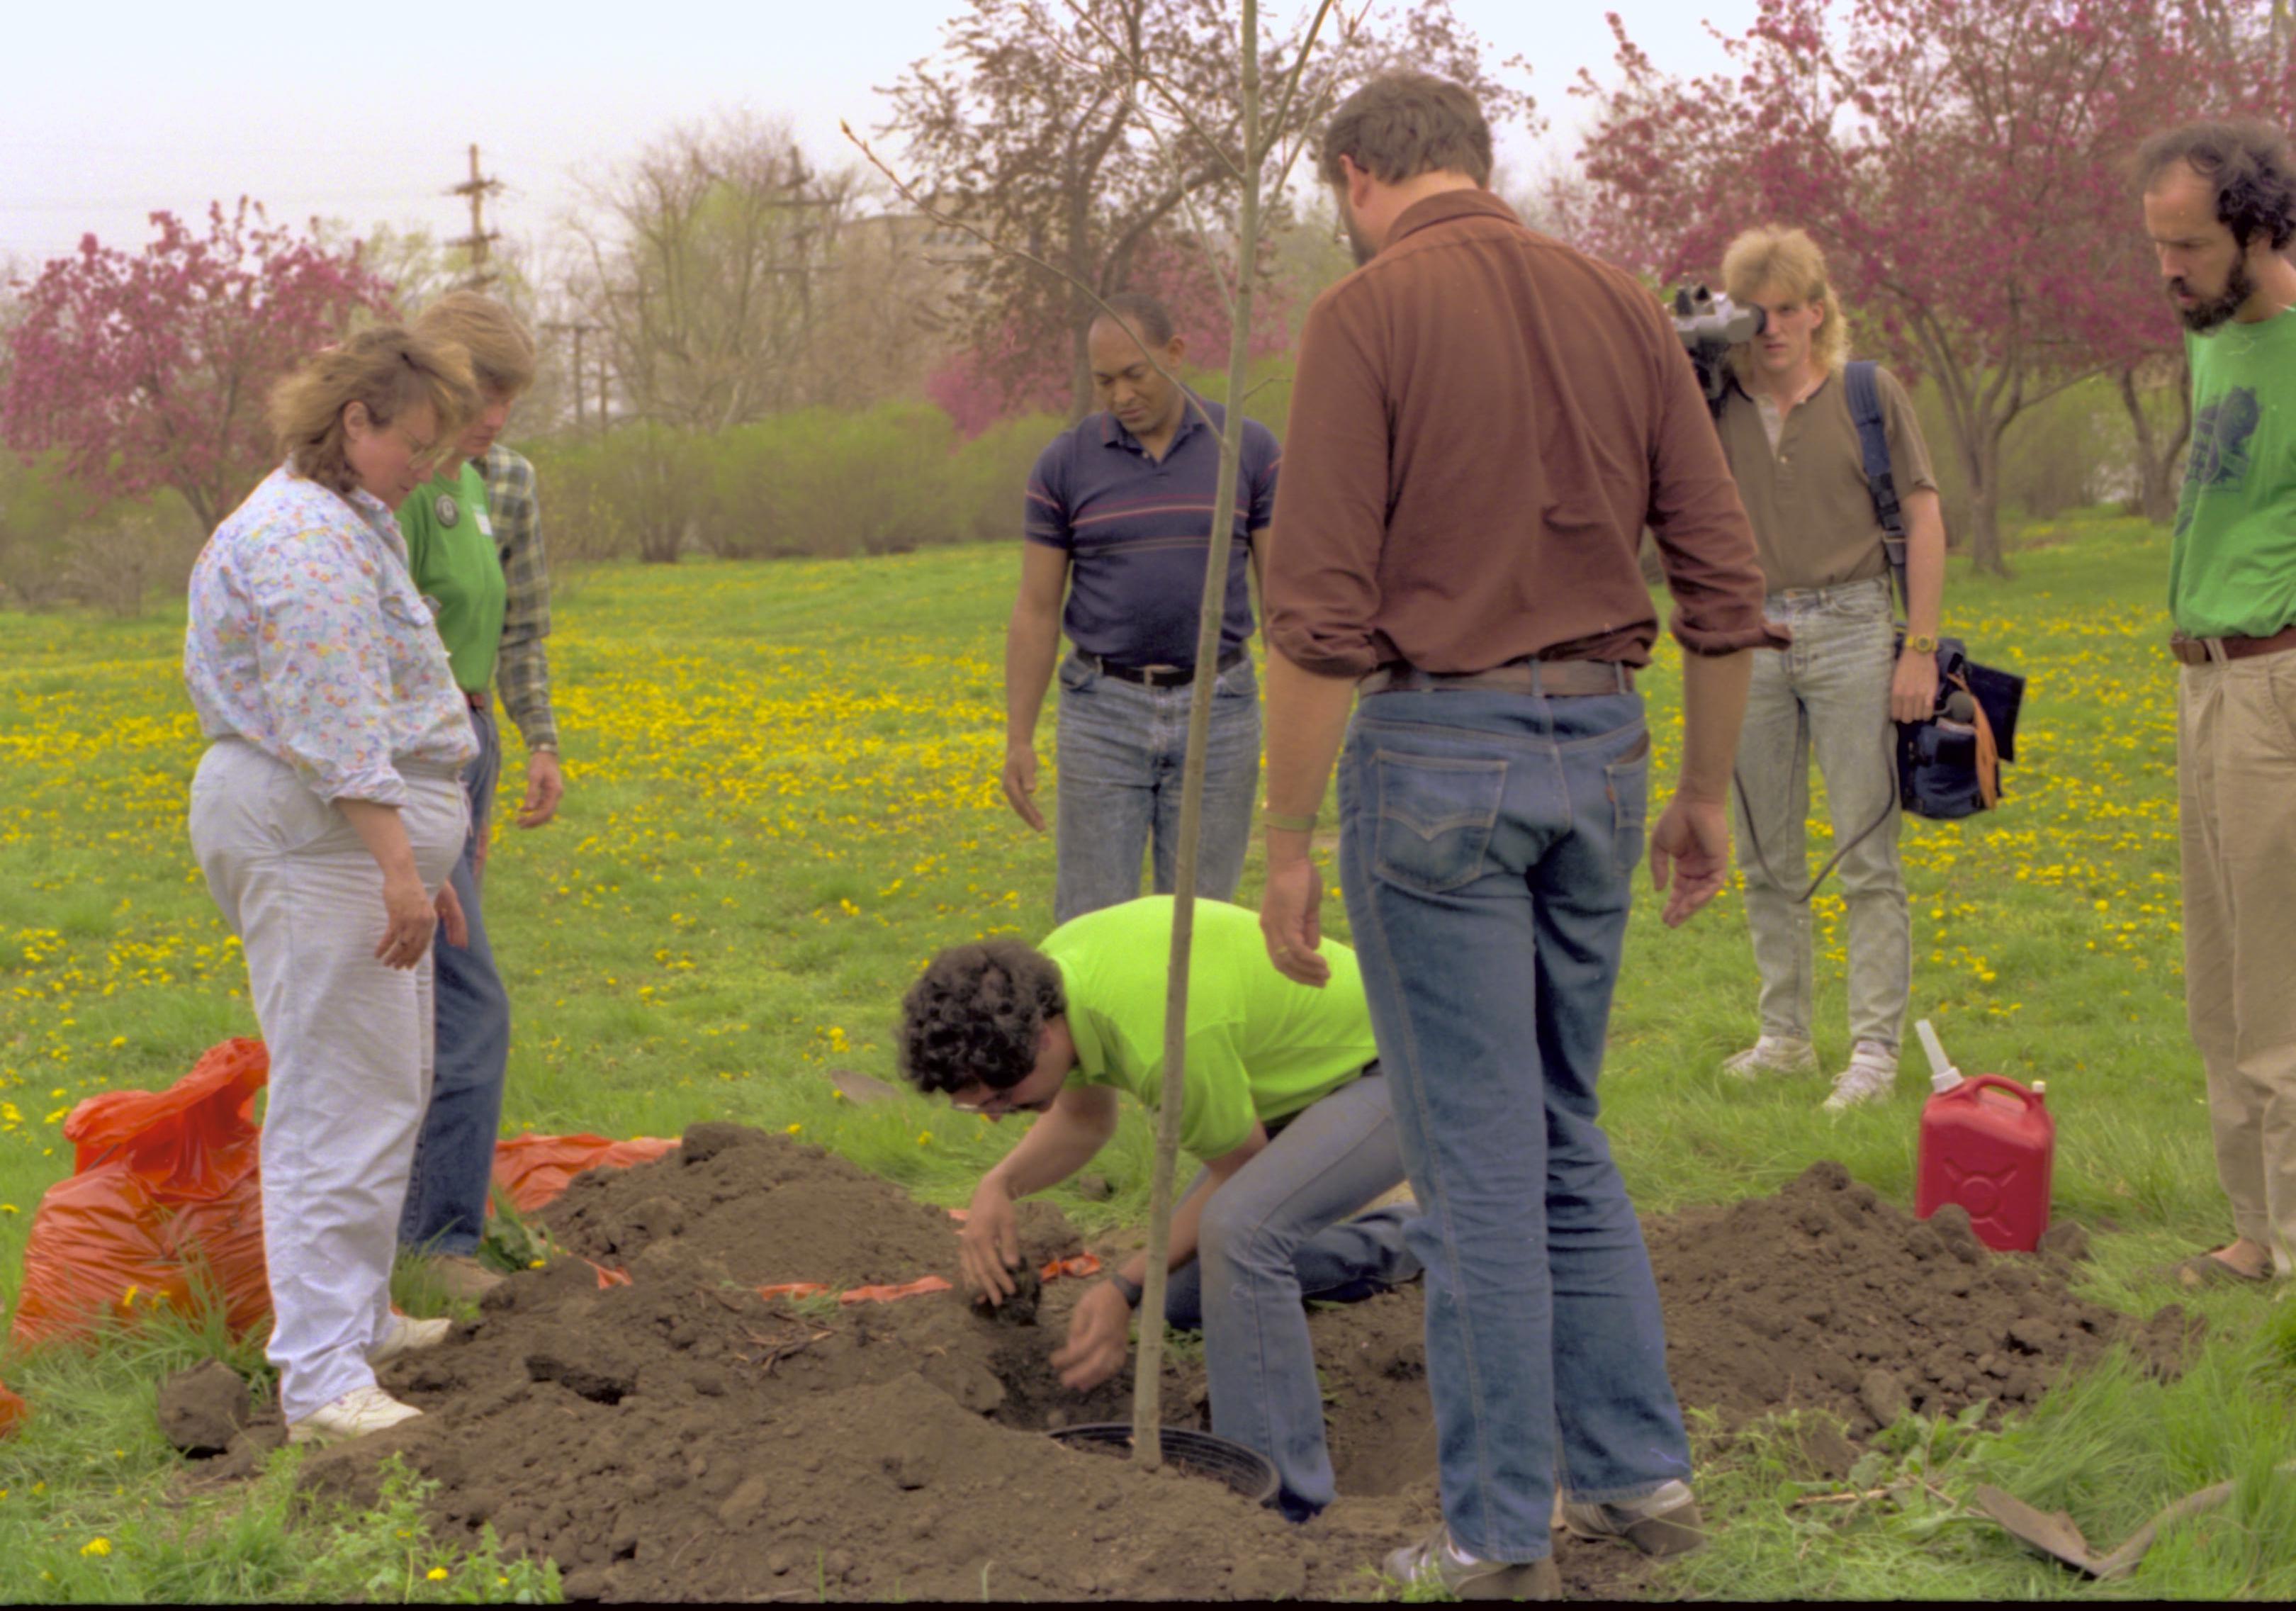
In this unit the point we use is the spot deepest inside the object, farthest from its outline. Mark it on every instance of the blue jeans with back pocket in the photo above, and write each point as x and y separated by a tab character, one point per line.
1486	842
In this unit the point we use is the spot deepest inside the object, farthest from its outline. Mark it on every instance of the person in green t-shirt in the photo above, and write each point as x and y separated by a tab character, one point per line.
458	562
1283	1102
2220	208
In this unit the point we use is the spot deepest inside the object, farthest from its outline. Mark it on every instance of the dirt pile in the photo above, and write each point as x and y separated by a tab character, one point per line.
682	1437
1824	1296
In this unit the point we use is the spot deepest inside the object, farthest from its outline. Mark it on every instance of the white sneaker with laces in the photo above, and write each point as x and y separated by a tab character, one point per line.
359	1411
1872	1075
1773	1055
407	1335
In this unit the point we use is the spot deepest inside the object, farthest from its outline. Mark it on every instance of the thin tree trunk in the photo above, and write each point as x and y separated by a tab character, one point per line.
2156	456
1981	456
1147	1419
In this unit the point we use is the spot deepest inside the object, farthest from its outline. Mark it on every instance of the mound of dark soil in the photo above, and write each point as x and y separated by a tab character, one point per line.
681	1437
1824	1296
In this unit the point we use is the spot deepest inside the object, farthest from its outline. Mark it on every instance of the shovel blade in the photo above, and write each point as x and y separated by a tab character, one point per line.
2050	1534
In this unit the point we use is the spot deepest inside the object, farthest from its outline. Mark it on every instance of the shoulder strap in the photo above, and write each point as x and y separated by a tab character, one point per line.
1874	445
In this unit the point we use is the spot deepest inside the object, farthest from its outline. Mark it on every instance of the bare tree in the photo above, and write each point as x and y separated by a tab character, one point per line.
705	276
1019	127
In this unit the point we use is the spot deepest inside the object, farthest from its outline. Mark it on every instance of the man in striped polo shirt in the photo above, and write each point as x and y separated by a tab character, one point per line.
1118	527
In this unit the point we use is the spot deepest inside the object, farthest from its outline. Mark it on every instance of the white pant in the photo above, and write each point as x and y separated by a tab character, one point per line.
349	1040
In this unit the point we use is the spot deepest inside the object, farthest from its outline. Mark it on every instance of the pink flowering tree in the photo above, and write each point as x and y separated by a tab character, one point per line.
145	370
1963	164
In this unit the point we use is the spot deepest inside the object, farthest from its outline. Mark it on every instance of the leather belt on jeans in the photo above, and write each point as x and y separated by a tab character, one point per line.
1154	677
2199	651
1548	677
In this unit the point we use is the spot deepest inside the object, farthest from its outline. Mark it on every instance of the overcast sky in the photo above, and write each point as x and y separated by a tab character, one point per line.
355	111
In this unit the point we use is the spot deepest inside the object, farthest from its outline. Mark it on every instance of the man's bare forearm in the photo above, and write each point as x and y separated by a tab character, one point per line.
1057	1146
1713	709
1924	564
1306	722
1032	646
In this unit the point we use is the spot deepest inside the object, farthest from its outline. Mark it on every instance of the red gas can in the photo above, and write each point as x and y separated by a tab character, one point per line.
1987	1145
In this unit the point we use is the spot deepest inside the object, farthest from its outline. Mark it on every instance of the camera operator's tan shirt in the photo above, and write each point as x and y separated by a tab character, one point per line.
1813	512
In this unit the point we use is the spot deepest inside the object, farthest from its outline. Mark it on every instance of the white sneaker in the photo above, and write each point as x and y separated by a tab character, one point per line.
1773	1055
359	1411
406	1336
1872	1075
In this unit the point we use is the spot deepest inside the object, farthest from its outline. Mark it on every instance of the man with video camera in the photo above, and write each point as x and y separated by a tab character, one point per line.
1788	427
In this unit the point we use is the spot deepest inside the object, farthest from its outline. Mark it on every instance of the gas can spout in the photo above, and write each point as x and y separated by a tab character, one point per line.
1943	1075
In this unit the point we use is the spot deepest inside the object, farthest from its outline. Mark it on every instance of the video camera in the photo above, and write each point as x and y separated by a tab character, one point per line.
1710	325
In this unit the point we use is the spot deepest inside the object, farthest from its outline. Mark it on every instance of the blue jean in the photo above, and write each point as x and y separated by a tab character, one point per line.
1121	747
1829	694
1272	1236
1486	844
454	1155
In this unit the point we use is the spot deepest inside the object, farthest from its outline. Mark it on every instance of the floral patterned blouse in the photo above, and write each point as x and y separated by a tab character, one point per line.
308	640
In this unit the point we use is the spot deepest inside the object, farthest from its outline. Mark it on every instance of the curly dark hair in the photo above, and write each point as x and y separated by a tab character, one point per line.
2248	164
975	1016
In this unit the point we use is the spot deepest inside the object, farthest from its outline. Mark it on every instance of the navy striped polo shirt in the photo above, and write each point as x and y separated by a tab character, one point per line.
1136	533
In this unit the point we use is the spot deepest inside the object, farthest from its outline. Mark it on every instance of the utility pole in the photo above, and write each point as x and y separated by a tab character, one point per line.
478	188
578	330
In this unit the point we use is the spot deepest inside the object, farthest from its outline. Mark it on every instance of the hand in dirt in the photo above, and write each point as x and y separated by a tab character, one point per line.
1020	784
1099	1336
989	1246
1291	920
452	922
1690	848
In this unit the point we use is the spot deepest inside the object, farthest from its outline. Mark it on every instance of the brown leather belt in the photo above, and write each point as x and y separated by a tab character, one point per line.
1547	677
2199	651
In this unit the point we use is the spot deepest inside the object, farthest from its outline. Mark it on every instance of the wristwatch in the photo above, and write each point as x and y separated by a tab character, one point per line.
1922	644
1131	1289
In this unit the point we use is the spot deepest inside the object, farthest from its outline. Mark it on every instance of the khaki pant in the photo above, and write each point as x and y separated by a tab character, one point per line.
2236	807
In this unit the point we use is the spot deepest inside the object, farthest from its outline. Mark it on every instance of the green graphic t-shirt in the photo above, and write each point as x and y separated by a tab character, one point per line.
450	550
2232	571
1260	1047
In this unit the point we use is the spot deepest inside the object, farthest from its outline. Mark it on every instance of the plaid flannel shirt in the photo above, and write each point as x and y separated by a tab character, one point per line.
523	670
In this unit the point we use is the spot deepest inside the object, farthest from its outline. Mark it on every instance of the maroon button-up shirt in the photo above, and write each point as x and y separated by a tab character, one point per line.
1482	423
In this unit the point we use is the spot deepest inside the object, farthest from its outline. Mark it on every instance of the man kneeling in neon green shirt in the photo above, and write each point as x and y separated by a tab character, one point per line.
1282	1100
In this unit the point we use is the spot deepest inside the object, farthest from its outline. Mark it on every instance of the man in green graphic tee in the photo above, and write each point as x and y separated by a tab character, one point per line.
1282	1100
2220	208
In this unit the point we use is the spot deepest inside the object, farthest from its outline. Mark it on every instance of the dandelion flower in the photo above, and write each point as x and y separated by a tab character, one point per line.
436	1574
96	1546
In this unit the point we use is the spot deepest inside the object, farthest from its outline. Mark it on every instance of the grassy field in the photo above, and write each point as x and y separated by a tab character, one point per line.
782	799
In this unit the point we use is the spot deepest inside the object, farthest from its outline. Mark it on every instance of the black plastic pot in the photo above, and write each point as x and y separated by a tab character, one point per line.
1247	1471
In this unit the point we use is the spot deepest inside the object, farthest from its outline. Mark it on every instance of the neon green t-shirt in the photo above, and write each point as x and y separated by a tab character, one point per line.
2232	571
450	551
1260	1047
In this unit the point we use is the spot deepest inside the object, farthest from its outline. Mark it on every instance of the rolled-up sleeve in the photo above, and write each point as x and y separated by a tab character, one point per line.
324	666
522	667
1704	539
1330	510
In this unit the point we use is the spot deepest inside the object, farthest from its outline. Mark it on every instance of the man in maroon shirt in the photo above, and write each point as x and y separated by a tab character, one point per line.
1484	421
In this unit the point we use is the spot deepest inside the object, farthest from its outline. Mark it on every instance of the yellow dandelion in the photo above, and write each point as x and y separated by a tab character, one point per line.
96	1546
436	1574
793	1129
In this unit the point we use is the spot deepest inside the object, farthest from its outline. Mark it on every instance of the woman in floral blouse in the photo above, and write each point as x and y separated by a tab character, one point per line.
326	815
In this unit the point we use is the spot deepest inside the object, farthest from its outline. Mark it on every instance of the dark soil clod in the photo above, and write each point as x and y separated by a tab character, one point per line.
203	1408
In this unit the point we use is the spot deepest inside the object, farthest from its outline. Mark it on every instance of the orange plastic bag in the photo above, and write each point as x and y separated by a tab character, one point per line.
164	1204
12	1411
531	1170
